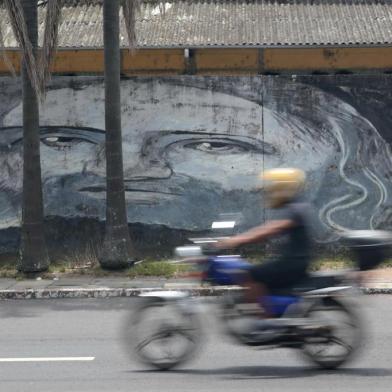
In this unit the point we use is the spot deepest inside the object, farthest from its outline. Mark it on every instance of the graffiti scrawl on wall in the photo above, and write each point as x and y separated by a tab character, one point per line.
193	147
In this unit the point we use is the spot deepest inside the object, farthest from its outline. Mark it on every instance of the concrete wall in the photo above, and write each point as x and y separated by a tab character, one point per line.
193	147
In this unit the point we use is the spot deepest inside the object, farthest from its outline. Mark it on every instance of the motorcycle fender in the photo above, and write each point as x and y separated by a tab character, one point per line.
179	298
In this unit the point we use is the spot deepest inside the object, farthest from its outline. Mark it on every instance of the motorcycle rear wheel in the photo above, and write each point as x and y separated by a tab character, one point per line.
344	336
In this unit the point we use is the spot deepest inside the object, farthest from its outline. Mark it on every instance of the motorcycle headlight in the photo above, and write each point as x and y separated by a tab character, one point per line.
188	251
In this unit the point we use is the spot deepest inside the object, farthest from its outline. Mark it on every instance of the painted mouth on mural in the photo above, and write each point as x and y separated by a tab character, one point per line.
141	195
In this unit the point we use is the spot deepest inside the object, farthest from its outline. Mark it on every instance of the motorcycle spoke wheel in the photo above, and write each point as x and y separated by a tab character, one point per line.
339	344
162	335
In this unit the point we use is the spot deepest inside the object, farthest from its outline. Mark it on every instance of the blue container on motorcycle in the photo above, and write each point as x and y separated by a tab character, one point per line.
276	305
231	270
226	270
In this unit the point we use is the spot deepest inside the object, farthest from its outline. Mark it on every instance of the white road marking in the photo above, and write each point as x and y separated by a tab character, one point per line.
48	359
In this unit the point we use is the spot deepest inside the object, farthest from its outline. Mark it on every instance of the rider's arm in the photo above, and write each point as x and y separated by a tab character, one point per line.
257	234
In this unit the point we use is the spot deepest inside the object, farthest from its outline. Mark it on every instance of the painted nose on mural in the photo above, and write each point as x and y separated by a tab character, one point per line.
148	171
151	183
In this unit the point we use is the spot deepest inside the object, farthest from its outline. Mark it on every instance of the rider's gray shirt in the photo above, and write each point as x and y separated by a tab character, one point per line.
295	242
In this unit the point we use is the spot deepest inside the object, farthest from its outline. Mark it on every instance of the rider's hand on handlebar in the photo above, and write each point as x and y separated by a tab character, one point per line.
226	243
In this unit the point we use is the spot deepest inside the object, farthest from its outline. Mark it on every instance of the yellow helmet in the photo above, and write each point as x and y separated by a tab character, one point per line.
282	185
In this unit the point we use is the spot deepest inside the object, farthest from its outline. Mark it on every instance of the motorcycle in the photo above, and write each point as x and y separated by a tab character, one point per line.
314	317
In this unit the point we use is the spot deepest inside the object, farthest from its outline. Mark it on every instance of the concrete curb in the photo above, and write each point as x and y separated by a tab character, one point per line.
105	292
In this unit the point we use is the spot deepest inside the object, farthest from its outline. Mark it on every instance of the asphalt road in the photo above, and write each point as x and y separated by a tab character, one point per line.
88	330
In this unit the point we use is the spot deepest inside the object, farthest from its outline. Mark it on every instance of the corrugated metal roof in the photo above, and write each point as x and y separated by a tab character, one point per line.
192	23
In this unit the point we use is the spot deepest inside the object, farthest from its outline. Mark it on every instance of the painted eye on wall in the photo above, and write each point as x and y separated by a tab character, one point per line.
228	146
217	147
60	141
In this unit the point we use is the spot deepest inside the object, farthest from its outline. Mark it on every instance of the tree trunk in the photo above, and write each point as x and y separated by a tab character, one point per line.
117	248
34	255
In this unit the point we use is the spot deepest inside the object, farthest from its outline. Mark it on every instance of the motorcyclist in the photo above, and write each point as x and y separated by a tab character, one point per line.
282	188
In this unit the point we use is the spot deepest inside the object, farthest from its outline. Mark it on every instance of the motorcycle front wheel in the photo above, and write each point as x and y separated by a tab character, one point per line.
342	334
162	334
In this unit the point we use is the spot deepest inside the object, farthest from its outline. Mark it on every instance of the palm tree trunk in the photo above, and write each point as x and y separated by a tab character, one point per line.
117	248
34	255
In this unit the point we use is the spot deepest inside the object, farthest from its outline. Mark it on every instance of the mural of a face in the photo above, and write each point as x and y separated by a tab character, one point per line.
189	152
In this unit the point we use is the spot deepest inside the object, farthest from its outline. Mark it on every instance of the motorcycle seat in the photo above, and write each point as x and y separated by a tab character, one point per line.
314	281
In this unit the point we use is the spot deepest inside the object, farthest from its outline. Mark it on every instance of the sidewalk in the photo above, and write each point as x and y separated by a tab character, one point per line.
378	282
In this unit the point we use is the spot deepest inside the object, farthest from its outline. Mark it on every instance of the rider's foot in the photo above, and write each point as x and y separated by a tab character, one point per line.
263	324
247	308
263	330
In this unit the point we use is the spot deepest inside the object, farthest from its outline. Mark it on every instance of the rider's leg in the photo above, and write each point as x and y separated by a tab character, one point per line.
254	291
262	278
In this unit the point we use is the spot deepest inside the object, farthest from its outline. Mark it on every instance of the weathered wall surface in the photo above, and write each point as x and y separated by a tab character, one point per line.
193	147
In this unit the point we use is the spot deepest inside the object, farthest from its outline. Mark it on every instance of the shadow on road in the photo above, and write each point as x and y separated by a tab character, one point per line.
278	372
